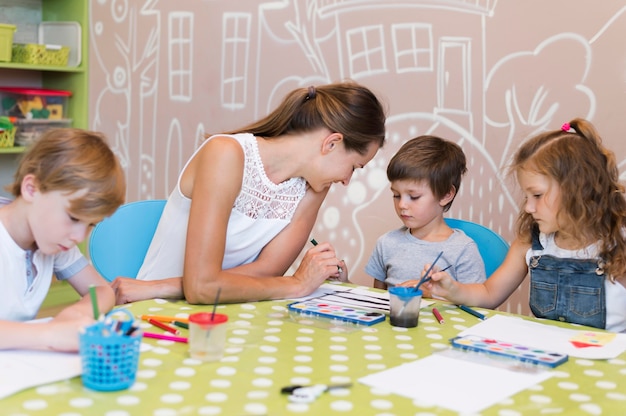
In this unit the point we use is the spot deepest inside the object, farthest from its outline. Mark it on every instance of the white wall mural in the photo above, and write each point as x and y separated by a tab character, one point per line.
486	74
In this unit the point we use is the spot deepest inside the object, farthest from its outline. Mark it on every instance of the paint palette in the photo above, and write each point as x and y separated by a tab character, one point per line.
337	312
519	352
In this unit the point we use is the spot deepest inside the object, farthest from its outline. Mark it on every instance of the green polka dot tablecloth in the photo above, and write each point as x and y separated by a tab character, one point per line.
267	350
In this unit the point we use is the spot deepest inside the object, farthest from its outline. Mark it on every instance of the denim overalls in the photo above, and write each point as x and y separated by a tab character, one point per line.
567	290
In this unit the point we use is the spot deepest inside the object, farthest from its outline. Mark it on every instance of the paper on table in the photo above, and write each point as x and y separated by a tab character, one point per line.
20	369
360	297
451	383
547	337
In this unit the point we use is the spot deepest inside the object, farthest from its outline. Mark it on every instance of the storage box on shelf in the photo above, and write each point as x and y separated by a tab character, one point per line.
35	111
40	54
7	132
6	41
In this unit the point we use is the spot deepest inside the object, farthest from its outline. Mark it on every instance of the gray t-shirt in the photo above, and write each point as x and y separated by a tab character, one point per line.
399	256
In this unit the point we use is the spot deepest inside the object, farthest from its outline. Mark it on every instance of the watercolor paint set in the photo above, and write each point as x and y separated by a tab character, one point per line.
319	308
523	353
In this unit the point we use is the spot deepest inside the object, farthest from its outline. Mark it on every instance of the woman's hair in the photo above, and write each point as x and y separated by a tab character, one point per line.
347	108
592	200
439	162
73	160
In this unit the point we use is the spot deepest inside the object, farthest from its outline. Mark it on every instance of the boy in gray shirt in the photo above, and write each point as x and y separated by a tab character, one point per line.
425	176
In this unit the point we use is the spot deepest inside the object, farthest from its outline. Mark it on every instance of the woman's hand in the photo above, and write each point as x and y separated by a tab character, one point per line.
132	290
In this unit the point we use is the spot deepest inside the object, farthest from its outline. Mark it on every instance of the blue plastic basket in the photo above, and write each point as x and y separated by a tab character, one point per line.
109	357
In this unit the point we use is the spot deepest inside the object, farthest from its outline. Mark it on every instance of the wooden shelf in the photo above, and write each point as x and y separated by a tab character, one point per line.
12	150
32	67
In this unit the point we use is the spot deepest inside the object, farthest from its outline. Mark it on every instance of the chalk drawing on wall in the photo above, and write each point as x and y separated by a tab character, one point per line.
436	65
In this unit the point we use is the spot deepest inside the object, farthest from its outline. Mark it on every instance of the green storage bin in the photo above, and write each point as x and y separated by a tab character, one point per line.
39	54
6	41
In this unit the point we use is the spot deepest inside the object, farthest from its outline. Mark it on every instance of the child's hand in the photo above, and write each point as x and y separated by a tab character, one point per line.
61	333
342	273
409	283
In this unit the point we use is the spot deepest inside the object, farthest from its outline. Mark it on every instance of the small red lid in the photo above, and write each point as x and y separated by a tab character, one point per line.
35	91
204	318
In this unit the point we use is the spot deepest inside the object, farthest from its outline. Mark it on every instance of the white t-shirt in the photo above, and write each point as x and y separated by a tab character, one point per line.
615	292
261	211
20	299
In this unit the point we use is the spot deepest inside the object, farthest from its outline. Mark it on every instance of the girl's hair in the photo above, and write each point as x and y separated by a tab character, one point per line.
73	160
592	200
439	162
346	108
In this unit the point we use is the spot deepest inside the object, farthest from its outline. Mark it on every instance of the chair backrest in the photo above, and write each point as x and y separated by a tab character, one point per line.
491	245
119	243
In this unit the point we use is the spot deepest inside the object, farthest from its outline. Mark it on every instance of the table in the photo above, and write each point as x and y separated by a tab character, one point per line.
267	350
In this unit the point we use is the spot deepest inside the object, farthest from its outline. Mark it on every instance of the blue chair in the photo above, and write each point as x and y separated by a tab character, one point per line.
491	245
119	243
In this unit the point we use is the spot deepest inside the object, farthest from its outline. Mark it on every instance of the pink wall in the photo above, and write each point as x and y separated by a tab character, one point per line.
486	74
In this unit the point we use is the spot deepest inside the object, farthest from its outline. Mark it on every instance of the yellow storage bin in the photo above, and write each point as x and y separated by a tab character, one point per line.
6	41
39	54
7	132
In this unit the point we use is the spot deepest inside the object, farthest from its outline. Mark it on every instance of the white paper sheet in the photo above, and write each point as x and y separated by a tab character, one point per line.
547	337
451	383
20	370
360	297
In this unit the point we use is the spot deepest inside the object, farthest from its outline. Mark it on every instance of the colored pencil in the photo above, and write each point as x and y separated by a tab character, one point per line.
165	337
163	326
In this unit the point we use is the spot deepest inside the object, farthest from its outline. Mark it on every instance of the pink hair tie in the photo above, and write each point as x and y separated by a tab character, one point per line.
565	127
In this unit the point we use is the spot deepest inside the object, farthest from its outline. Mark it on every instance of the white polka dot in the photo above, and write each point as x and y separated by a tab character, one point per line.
226	371
161	350
536	387
35	404
438	346
434	336
267	360
146	374
370	338
264	370
271	338
431	328
403	338
138	386
591	408
273	330
236	341
220	383
585	363
376	367
128	400
185	372
380	404
248	306
216	397
110	413
298	407
257	395
180	385
593	373
373	347
262	382
341	406
306	331
209	410
540	399
409	356
275	323
255	408
338	368
405	346
399	329
81	402
268	348
241	323
48	390
339	392
340	380
302	359
171	398
339	357
338	339
302	381
191	361
152	362
578	397
338	347
246	316
301	369
232	358
304	348
304	339
607	385
616	396
568	385
165	412
508	412
617	361
560	374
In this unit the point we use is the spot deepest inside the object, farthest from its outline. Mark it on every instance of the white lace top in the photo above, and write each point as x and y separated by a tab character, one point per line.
261	211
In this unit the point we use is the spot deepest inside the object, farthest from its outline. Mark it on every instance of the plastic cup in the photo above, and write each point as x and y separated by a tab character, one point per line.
404	305
207	335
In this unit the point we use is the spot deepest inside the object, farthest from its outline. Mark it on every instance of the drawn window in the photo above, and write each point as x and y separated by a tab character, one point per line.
235	48
180	26
366	51
413	47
